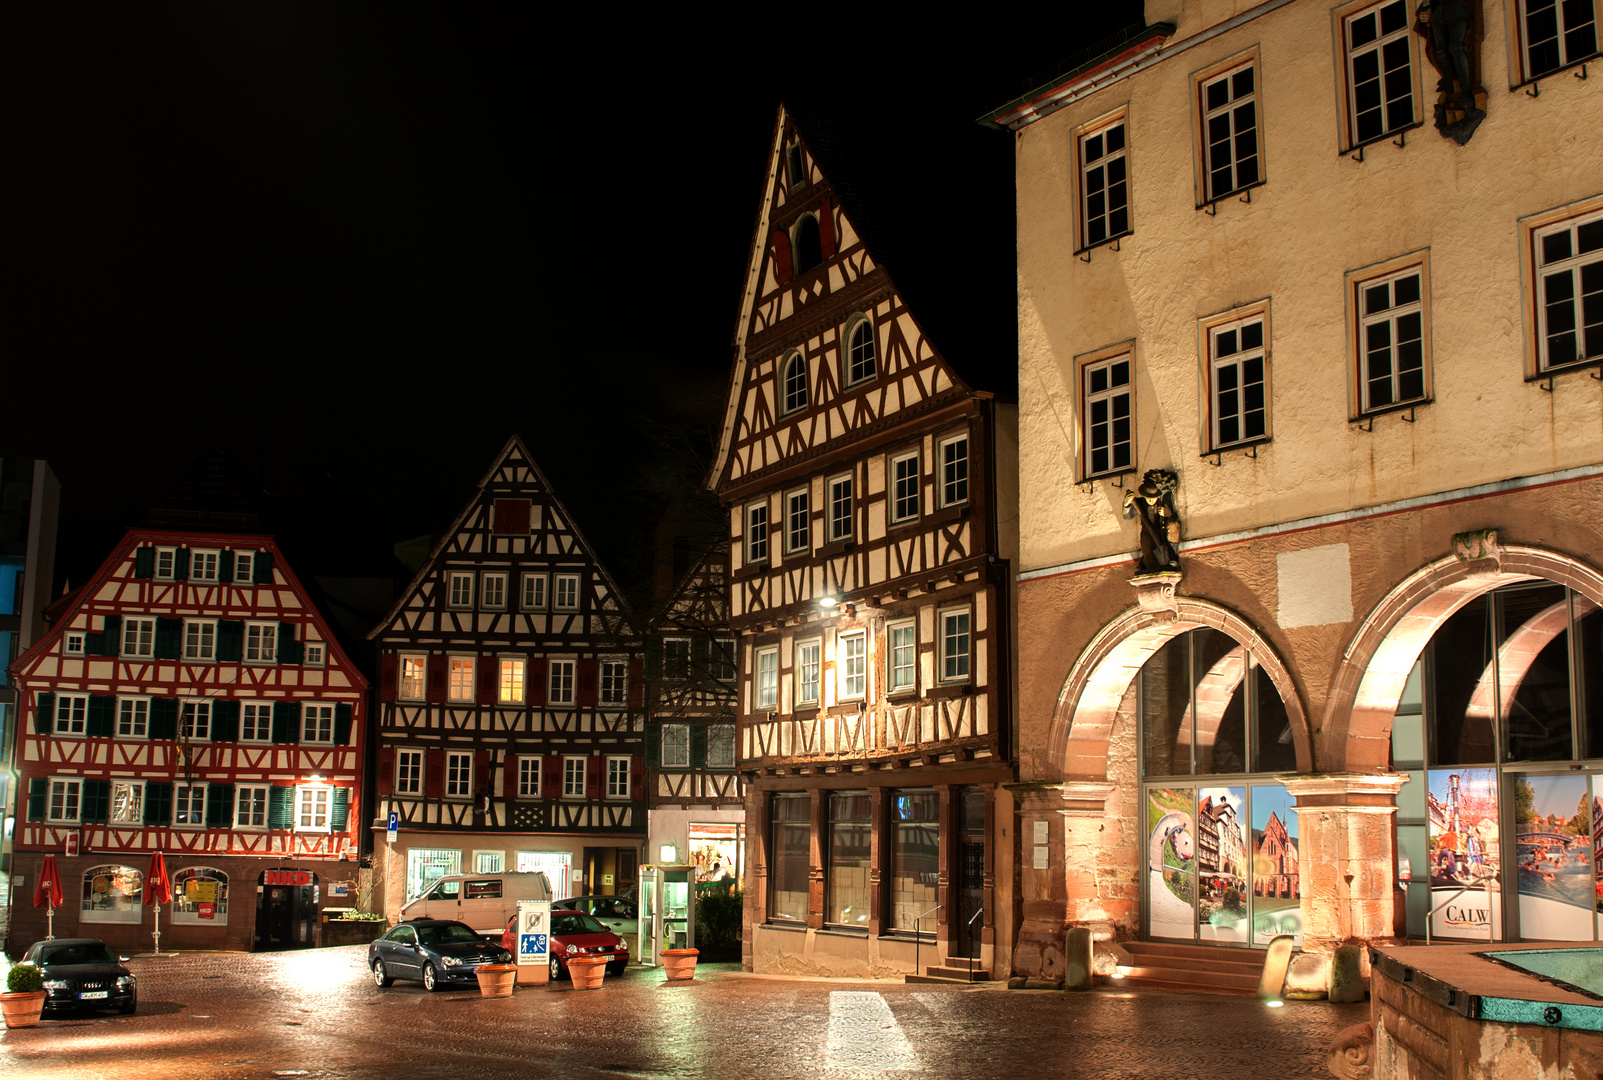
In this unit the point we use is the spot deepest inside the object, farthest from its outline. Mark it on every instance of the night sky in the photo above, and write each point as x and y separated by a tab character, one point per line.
357	246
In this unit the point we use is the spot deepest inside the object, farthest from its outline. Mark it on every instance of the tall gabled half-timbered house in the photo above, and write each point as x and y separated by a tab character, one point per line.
190	699
871	492
511	732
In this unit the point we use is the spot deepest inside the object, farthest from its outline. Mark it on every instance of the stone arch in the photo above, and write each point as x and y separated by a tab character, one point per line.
1356	731
1082	721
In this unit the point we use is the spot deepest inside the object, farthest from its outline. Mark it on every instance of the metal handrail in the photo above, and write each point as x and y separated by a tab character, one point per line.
969	926
918	937
1491	923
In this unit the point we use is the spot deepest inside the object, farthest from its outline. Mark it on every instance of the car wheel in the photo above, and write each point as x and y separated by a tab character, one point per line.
380	976
556	968
431	978
128	1009
617	967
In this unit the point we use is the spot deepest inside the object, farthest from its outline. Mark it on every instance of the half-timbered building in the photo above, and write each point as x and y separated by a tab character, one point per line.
871	492
190	699
511	731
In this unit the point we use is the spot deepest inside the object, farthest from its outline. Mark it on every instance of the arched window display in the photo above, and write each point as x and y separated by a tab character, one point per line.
112	894
200	896
1221	842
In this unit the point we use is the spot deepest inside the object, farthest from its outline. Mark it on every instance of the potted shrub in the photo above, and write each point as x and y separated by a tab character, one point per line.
26	999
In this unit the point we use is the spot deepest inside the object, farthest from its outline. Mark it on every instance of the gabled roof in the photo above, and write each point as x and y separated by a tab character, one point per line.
693	591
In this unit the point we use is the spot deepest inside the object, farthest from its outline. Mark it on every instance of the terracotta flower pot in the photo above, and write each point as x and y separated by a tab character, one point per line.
495	980
680	964
22	1010
587	971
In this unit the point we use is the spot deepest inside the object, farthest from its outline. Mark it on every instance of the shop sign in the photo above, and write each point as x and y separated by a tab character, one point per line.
206	911
287	877
200	891
71	847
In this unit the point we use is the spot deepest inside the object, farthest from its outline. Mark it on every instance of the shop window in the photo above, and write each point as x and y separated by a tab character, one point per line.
200	896
489	862
425	866
112	894
789	859
846	900
557	866
915	860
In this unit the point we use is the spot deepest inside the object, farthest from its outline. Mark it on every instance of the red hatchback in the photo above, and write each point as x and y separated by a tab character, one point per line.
573	933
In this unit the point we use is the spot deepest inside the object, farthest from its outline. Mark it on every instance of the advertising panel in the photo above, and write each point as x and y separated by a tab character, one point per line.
1171	862
1276	882
1222	863
1461	805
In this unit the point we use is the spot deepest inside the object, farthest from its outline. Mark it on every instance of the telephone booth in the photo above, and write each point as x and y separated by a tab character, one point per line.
667	912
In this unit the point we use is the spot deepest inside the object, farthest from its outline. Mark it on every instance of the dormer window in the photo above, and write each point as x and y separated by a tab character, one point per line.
795	383
807	245
795	170
860	353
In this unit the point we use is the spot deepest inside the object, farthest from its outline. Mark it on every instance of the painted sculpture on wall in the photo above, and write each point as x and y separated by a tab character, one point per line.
1452	33
1153	504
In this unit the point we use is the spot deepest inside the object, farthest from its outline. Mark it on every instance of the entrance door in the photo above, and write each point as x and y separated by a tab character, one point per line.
971	869
286	909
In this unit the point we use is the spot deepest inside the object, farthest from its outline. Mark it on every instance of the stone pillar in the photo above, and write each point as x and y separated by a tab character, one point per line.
988	920
946	880
1084	806
879	856
755	904
1344	855
816	851
1038	882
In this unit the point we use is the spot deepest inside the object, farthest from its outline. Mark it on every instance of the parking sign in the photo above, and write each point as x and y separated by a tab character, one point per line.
534	941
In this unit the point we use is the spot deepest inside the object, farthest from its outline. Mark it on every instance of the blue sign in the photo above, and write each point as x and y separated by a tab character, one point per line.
531	945
394	821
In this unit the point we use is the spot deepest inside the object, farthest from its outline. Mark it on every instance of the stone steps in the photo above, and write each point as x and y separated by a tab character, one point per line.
1202	969
953	969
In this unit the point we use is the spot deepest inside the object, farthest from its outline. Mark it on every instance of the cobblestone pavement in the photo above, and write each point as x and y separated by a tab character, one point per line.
317	1014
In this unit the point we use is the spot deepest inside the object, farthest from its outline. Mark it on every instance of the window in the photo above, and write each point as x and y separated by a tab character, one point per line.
458	775
614	682
189	804
1237	380
1569	291
561	689
840	508
954	471
1228	106
675	659
495	591
617	778
261	642
195	721
461	590
1389	335
675	746
798	522
244	567
861	352
250	806
721	746
489	862
757	533
846	889
200	639
534	586
791	821
317	723
1554	34
767	695
409	772
1104	190
808	243
904	656
133	718
413	670
72	643
795	173
461	683
567	598
853	663
1108	415
954	645
138	637
313	655
255	721
723	659
806	672
1379	71
312	806
127	802
166	561
71	710
573	777
904	487
915	858
202	565
511	688
528	778
65	797
795	383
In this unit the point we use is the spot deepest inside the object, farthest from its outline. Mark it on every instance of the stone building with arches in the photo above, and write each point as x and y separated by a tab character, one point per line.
1311	459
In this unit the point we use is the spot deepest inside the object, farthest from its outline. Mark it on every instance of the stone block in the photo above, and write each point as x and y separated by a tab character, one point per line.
1346	975
1042	984
1108	956
1077	958
1308	977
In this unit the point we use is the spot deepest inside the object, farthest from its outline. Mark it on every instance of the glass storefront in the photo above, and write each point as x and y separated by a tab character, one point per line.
915	859
851	830
788	859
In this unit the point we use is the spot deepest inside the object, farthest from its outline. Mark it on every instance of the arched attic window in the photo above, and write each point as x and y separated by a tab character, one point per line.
808	247
860	353
795	382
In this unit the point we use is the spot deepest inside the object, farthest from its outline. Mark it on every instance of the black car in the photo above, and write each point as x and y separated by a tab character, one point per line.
81	973
435	952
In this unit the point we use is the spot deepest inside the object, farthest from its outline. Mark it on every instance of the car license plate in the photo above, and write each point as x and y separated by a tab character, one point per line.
88	994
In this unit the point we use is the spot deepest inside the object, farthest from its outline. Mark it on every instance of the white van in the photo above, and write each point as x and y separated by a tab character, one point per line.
486	902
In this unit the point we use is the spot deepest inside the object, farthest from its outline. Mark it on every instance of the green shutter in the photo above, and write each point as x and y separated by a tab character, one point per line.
653	746
38	795
698	746
101	719
654	657
225	566
144	562
286	722
342	724
44	714
262	569
169	638
96	801
181	564
219	806
290	651
225	721
340	812
281	808
158	802
111	642
230	639
164	718
95	644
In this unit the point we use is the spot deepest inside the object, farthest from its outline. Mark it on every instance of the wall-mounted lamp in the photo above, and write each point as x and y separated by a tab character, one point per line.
828	601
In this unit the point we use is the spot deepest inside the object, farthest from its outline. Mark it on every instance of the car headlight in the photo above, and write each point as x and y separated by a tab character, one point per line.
125	982
506	957
450	961
572	949
56	984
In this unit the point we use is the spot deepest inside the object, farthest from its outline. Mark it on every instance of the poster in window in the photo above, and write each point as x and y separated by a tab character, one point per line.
1553	839
1171	862
1461	805
1597	849
1222	863
112	894
1276	881
200	894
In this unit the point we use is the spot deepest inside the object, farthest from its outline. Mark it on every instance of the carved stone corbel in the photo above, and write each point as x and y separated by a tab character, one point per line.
1158	595
1480	552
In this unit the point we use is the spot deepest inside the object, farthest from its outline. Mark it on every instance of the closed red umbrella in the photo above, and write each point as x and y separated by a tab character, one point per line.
47	892
158	891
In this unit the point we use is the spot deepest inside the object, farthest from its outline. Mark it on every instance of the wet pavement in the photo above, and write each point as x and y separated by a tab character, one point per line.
317	1014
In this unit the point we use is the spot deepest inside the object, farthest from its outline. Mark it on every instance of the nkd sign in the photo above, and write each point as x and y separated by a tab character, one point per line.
288	877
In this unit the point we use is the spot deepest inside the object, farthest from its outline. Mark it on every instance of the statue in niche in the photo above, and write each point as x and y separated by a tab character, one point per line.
1452	33
1153	504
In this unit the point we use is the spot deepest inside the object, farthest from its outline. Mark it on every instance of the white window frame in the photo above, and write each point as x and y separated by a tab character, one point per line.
798	522
70	715
407	682
1589	215
409	768
511	681
569	761
251	801
721	736
1212	187
722	661
1361	320
1384	42
140	632
617	766
851	665
184	809
1519	26
809	659
1100	223
951	659
65	792
535	593
614	688
791	399
1225	376
317	717
675	746
256	725
955	471
529	770
459	590
314	654
765	679
200	640
903	657
489	862
756	518
136	817
565	596
203	565
841	527
261	643
493	591
133	713
1109	395
194	720
244	567
862	327
561	682
73	643
169	556
675	659
459	673
314	802
458	774
905	491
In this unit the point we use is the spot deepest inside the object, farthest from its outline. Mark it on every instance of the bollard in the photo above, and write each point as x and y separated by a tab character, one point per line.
1077	958
1275	962
1346	975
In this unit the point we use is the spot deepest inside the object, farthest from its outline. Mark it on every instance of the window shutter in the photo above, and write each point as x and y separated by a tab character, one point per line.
281	807
509	776
389	677
163	718
342	723
698	746
781	256
219	806
225	566
181	564
230	640
637	777
433	773
38	795
44	710
262	568
101	716
225	721
169	638
551	776
589	683
485	673
96	804
653	746
437	676
290	651
511	517
481	773
826	230
654	657
144	562
286	721
386	771
592	777
637	683
339	811
111	640
536	686
158	803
